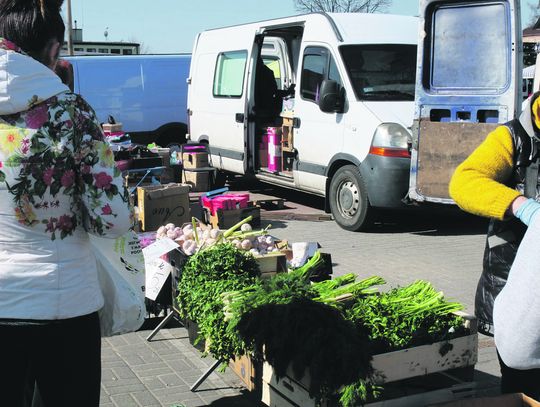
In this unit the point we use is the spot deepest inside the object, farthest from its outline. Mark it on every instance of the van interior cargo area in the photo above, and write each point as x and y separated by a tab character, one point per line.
272	134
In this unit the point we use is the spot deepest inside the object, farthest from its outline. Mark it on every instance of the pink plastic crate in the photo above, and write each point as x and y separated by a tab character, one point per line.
225	202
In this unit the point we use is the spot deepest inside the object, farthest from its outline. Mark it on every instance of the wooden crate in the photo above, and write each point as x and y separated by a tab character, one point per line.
198	181
226	219
195	159
287	133
249	371
400	369
272	263
286	391
417	392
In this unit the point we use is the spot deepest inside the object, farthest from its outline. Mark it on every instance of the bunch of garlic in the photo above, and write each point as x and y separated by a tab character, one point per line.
254	242
189	238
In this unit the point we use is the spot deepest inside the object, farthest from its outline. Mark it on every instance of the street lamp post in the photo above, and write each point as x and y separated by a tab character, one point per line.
69	29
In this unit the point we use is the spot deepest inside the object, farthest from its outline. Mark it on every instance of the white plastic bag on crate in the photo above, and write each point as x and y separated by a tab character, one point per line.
516	315
120	264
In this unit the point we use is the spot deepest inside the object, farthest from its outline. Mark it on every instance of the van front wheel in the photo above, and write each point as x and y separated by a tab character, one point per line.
349	201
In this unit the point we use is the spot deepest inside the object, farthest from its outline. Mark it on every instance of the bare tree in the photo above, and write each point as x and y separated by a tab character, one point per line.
342	6
143	48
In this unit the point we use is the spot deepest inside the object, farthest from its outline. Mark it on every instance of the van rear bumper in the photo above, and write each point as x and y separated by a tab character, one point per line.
387	180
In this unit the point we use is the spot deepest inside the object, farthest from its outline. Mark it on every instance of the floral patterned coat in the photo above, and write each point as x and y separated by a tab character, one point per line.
58	183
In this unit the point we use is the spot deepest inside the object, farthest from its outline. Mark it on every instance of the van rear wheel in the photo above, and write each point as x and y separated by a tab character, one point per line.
349	201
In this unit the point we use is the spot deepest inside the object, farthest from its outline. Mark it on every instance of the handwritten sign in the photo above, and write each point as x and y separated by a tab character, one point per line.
157	271
159	248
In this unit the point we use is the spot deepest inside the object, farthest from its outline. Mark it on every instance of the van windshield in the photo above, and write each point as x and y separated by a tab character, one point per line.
381	72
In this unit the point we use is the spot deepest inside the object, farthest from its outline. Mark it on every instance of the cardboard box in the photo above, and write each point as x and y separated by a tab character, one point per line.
249	371
162	204
198	181
195	160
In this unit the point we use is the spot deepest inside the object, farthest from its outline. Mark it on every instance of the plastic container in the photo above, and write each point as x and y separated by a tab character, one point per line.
225	202
274	149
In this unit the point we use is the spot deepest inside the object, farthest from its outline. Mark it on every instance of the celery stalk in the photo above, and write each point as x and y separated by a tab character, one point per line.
230	231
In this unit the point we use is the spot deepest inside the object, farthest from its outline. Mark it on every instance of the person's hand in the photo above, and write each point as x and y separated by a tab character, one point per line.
290	90
527	211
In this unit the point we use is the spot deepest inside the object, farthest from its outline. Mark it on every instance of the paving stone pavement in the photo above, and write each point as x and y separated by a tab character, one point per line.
442	247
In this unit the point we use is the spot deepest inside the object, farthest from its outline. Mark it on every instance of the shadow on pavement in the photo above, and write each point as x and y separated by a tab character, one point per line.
427	218
430	221
243	400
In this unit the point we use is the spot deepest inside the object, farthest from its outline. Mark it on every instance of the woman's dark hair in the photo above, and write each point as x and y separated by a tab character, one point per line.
32	24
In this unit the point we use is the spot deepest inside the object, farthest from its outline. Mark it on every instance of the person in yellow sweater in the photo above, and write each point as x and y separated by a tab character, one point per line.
500	180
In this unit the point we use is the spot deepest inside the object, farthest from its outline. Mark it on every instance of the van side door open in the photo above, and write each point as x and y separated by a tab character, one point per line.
468	81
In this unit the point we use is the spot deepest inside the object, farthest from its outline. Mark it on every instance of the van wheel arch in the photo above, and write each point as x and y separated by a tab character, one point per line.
347	198
171	134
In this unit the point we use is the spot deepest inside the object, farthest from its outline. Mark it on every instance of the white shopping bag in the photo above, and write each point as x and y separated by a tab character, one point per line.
120	265
516	313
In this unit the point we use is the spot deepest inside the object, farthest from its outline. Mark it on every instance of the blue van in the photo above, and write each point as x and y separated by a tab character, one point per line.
146	93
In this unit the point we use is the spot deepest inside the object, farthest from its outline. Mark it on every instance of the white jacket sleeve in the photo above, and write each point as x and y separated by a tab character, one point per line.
104	199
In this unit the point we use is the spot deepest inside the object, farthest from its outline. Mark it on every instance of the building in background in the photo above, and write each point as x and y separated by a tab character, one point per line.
81	47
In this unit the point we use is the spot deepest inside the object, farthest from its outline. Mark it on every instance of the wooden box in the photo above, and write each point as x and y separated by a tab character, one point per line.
287	133
399	369
226	219
195	160
249	371
198	181
272	263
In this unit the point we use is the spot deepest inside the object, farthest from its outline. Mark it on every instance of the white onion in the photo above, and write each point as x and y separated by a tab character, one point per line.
161	230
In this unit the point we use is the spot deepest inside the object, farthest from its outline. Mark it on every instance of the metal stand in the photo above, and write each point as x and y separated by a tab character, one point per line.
161	324
205	375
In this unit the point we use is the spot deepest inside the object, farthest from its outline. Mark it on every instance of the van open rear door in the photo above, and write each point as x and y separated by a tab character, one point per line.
468	80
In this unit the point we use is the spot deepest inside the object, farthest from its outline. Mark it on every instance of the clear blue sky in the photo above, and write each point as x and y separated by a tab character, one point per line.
170	26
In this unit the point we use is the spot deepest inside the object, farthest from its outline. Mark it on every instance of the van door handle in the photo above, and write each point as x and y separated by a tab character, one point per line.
296	122
240	117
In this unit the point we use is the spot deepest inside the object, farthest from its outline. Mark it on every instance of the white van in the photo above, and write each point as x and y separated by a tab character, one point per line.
354	77
146	93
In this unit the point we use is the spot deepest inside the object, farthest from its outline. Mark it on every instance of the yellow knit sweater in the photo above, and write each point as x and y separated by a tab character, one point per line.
476	185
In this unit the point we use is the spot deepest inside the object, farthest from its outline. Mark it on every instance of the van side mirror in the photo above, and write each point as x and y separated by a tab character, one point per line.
331	97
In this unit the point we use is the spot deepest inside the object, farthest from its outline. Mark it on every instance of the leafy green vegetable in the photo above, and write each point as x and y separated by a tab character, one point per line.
312	338
205	277
406	316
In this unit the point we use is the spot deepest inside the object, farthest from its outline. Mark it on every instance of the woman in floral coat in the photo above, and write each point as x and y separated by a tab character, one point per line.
58	183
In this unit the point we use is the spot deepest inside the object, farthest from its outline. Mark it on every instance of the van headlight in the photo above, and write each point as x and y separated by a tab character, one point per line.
391	140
